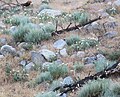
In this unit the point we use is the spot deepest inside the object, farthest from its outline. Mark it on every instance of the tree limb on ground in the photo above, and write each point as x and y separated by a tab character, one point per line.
115	68
75	27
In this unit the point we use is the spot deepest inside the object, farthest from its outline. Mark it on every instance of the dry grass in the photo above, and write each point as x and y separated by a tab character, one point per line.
9	88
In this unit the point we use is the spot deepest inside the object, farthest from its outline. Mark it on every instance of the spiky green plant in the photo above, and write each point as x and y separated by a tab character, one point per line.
112	91
42	77
17	20
55	83
84	44
94	88
102	64
34	36
72	39
20	33
58	70
80	17
46	94
78	66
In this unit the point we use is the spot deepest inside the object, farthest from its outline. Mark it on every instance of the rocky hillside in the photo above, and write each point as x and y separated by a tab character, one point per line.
60	48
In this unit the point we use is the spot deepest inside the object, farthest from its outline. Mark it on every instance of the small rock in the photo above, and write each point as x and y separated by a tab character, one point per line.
100	57
29	66
89	60
103	13
50	12
25	46
2	25
116	4
64	95
63	52
1	56
58	61
111	34
95	25
67	80
80	54
48	55
37	58
13	29
3	41
59	44
7	49
23	63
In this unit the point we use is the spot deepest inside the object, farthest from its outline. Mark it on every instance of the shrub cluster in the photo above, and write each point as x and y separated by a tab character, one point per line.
100	88
81	44
26	33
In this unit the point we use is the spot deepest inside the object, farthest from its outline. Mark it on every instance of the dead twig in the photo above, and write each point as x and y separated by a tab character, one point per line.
76	27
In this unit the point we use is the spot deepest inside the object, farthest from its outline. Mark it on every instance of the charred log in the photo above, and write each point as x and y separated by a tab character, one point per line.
115	68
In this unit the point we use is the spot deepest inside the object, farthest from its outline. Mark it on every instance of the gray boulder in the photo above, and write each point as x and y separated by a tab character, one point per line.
13	29
100	57
67	80
111	34
90	60
59	44
23	63
80	54
116	4
63	52
50	12
29	66
7	49
2	25
3	41
48	55
37	58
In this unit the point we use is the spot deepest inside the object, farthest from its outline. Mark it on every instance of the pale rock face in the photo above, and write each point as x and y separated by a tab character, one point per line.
111	34
63	52
68	80
59	44
116	4
37	58
7	49
48	55
50	12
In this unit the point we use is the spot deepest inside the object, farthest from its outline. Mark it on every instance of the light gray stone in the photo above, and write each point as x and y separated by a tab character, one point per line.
29	66
13	29
7	49
63	52
59	44
80	54
64	95
50	12
89	60
3	41
100	57
1	56
116	4
37	58
111	34
48	55
58	61
2	25
23	63
67	80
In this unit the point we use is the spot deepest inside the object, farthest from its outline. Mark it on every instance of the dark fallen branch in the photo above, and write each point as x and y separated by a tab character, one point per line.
115	68
75	27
